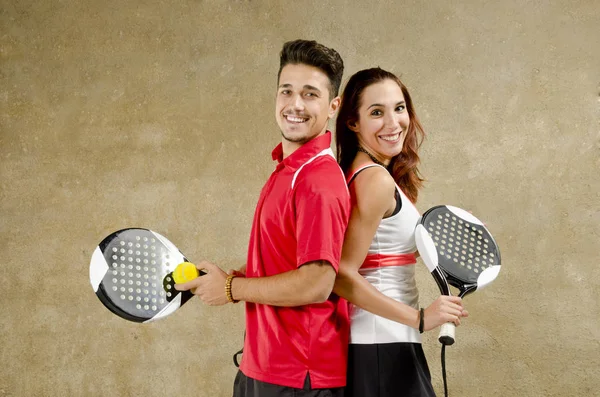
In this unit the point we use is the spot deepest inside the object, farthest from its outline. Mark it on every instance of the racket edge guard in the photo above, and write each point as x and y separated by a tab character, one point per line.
98	268
487	276
426	247
465	215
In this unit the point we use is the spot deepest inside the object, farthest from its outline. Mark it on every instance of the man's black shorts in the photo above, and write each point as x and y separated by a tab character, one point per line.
248	387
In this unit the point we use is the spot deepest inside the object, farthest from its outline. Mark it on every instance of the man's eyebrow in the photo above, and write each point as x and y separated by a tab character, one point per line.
378	104
306	87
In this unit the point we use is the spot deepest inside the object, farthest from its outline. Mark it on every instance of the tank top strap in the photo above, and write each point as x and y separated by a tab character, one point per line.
364	167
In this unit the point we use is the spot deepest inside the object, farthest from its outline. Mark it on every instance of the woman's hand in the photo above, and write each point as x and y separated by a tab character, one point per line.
445	309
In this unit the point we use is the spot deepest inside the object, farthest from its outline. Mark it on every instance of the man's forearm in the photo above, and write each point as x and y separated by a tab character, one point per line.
311	283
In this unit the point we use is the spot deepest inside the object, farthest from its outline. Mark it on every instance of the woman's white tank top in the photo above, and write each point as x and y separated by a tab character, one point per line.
389	267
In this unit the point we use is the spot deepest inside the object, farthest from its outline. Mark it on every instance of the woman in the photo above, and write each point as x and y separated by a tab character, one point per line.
378	135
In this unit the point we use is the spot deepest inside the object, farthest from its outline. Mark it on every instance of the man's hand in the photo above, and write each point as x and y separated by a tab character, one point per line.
210	287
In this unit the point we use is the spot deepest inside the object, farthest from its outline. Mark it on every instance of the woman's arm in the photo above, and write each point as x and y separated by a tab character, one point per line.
372	194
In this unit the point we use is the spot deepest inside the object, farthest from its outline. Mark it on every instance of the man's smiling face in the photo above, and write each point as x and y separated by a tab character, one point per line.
303	107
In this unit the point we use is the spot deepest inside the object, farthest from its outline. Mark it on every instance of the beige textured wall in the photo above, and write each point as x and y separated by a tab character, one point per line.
161	115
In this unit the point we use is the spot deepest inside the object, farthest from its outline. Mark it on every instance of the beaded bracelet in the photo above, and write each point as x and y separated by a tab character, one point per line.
228	288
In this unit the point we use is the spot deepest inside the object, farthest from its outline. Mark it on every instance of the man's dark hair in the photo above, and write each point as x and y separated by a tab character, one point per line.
314	54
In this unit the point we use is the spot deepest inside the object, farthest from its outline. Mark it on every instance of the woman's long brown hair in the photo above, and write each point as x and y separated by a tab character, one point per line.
404	166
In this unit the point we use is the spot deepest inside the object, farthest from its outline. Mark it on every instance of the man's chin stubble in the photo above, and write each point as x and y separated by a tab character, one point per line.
301	140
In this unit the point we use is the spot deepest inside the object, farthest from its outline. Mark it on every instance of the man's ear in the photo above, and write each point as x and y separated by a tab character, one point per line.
334	105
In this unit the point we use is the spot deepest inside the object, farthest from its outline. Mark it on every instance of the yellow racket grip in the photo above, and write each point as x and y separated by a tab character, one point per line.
185	272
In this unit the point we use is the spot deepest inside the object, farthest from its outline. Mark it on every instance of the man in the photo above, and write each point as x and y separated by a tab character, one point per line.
296	329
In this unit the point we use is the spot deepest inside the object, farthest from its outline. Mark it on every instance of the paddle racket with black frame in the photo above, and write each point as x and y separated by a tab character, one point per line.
131	272
459	251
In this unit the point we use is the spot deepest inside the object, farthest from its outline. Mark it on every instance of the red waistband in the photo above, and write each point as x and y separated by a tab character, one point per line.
373	261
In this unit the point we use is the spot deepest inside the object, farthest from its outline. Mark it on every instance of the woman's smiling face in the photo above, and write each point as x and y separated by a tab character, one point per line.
383	120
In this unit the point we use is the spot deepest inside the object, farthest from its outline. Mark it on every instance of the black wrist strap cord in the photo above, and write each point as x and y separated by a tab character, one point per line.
444	370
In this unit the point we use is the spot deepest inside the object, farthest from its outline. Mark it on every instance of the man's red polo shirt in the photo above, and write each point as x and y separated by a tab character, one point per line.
301	217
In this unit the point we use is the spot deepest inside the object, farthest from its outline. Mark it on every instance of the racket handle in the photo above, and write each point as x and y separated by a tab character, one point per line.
447	334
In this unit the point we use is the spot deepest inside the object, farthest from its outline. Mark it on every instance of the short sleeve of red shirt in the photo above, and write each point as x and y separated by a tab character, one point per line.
322	207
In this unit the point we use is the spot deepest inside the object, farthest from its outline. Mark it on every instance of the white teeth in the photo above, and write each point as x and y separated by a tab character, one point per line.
390	138
295	119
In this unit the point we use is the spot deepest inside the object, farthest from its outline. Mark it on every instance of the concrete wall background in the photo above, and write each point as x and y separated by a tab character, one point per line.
160	115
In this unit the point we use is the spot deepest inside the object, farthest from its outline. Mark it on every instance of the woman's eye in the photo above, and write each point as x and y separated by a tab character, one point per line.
400	108
376	113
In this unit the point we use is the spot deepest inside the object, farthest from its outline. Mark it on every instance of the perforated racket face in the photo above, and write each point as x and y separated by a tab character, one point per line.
465	248
132	269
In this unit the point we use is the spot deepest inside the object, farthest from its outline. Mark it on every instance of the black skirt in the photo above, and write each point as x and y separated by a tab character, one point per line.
388	370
